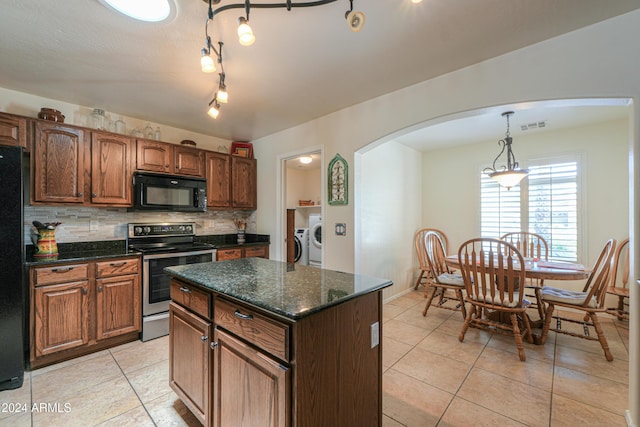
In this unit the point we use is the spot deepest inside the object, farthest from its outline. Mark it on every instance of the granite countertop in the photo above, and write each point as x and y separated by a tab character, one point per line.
289	290
92	251
81	252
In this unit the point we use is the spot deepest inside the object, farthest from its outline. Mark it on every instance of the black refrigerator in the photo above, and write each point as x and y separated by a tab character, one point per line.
12	307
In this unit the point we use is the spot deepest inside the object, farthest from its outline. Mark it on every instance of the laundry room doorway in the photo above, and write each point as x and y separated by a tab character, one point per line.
303	192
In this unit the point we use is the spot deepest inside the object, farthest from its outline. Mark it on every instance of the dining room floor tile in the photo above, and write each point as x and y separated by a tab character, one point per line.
429	379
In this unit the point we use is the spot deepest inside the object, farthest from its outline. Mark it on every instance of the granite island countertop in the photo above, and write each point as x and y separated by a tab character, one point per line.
290	290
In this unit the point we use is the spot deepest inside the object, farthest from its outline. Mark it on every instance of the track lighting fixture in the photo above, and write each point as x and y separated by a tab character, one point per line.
355	20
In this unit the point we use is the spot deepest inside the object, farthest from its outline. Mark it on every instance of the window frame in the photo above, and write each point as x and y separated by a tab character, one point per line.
578	158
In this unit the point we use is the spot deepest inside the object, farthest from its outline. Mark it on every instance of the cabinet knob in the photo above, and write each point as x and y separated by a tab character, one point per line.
94	195
214	345
99	288
204	338
85	291
61	270
80	194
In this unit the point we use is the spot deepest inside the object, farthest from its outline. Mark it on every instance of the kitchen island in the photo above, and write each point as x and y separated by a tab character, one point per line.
263	343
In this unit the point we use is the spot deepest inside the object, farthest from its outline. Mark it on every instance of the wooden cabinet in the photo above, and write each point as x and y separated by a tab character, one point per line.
13	130
261	251
188	161
71	166
244	183
111	169
117	298
190	360
263	383
61	317
57	163
154	156
83	307
218	174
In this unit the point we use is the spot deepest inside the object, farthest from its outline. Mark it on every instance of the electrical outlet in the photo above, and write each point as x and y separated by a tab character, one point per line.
375	334
93	225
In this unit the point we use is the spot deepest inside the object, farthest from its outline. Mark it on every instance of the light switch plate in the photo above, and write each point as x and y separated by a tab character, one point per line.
375	334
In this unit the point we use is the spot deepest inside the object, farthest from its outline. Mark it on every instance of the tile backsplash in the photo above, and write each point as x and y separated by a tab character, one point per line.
111	223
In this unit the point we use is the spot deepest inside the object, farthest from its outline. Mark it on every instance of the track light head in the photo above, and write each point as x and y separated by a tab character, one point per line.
245	33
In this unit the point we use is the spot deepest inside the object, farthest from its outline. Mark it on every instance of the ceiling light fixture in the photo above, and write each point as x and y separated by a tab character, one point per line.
355	20
510	175
305	160
148	11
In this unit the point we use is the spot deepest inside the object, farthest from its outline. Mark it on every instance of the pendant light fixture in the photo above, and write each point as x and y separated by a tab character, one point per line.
510	175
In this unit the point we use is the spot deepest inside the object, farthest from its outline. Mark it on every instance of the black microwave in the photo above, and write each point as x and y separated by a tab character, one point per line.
157	192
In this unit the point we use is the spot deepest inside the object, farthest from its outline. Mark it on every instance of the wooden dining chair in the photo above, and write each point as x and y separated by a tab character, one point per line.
492	277
425	272
619	280
590	301
442	279
530	245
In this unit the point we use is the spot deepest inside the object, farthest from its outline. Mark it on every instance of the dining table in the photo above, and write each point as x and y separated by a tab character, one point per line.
539	271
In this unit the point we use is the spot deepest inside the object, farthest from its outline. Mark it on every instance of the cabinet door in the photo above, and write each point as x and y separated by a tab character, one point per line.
117	306
188	161
190	360
154	156
111	169
244	183
57	164
60	317
13	130
250	389
218	174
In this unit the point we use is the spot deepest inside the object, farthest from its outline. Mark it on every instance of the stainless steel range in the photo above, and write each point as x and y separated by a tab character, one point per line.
163	245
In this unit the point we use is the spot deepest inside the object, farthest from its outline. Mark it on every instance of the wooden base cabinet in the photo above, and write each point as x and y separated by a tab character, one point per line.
189	360
265	370
83	307
250	387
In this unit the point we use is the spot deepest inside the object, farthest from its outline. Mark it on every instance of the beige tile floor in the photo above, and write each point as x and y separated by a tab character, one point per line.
430	379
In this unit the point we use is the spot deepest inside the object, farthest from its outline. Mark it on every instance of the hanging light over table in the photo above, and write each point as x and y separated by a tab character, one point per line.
510	175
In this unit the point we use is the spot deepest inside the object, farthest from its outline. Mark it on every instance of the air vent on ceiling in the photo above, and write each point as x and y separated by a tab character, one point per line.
534	125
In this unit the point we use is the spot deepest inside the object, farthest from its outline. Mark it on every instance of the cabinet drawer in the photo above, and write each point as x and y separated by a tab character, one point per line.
256	251
117	267
268	334
60	274
224	254
192	298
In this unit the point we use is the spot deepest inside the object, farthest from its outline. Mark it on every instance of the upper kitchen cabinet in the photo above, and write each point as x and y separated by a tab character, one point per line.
218	174
188	161
57	163
13	130
244	183
154	156
112	167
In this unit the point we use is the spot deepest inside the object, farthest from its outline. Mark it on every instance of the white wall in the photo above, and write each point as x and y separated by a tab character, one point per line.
303	185
388	203
451	199
597	61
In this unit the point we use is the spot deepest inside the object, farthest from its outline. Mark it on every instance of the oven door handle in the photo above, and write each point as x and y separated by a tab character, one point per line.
178	254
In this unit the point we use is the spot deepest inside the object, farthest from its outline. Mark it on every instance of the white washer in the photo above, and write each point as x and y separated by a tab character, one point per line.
315	240
301	240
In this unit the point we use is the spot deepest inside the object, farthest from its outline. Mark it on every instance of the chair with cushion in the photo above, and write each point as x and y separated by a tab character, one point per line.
530	245
492	276
442	279
425	273
589	301
619	280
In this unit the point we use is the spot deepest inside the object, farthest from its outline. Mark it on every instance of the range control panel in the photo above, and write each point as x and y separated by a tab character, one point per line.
152	230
